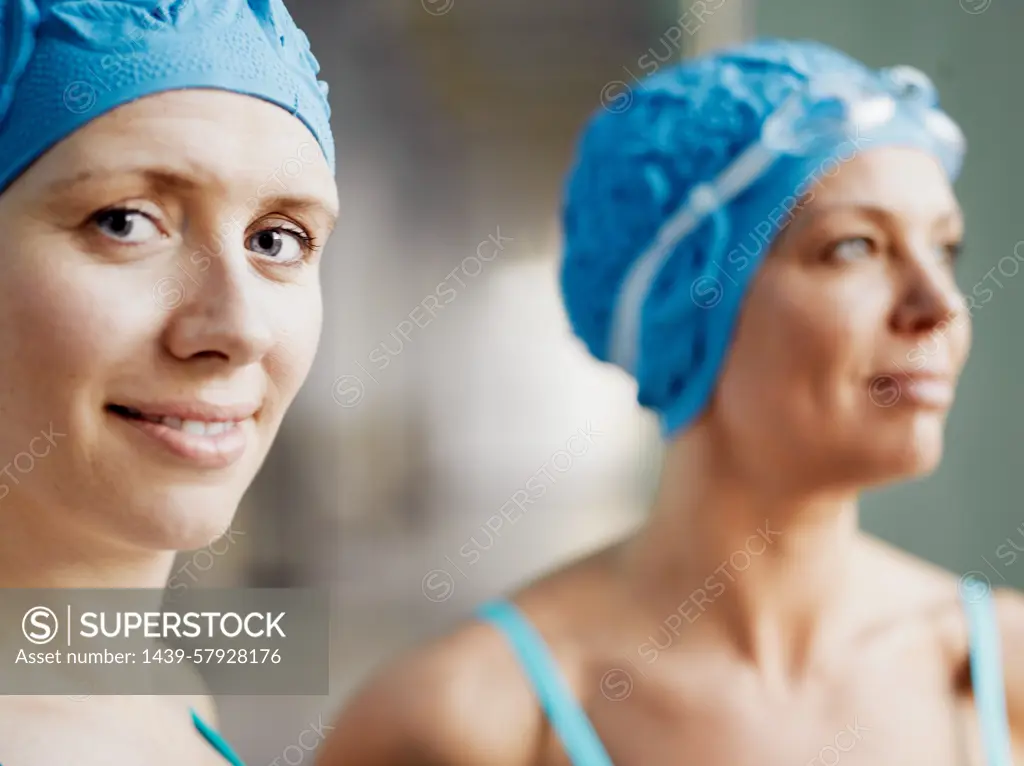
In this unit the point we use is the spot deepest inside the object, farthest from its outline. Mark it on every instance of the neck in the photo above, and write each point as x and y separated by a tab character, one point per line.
39	551
762	564
46	550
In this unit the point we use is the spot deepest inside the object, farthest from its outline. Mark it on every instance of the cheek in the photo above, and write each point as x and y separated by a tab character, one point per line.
297	332
798	346
962	334
68	326
63	330
57	324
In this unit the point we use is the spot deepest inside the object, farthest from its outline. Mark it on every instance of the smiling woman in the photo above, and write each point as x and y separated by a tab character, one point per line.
159	308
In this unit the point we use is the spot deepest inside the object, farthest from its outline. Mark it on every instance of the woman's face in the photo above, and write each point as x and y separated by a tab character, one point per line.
159	309
854	332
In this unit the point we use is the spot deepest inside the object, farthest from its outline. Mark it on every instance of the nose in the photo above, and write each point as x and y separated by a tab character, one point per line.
220	313
929	300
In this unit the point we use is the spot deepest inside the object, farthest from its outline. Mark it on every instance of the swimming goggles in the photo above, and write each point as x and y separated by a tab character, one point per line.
820	117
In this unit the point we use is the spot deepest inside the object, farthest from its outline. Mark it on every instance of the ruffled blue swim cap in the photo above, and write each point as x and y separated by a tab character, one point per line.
679	187
65	62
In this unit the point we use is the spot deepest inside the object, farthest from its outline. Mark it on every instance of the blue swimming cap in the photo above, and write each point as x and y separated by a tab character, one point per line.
679	186
65	62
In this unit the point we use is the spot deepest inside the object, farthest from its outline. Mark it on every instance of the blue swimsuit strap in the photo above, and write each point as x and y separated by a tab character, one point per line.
987	671
584	746
216	740
567	718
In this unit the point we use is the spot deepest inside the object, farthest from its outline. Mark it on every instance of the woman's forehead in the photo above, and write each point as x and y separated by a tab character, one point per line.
905	180
208	138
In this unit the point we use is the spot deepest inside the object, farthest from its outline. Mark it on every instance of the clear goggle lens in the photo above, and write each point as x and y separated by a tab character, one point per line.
832	110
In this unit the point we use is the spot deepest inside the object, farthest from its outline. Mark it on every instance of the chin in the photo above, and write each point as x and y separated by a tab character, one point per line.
164	507
178	519
907	451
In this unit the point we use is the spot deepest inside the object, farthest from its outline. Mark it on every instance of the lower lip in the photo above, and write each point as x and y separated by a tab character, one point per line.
216	451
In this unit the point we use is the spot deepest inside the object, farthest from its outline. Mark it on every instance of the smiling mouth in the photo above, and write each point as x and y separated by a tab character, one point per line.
203	436
192	427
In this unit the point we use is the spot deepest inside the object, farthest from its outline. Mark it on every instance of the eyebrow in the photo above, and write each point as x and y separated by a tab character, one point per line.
950	216
877	210
299	202
165	177
174	179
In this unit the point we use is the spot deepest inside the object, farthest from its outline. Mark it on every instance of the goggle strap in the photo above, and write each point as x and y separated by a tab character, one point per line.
702	200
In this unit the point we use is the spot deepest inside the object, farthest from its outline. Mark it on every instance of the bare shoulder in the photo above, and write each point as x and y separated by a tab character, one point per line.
460	699
904	588
200	700
927	584
940	595
1010	614
39	731
463	699
24	724
1010	611
906	581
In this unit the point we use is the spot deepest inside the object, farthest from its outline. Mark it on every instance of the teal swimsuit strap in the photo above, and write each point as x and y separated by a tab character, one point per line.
585	749
987	672
216	740
567	718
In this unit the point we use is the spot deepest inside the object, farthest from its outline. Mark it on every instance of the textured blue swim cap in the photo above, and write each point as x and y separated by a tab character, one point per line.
679	186
65	62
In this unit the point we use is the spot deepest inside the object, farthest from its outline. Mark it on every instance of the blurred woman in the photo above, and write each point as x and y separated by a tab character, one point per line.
765	238
166	188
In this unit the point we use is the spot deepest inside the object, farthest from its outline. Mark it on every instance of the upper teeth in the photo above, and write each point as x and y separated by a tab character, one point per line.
194	427
198	427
